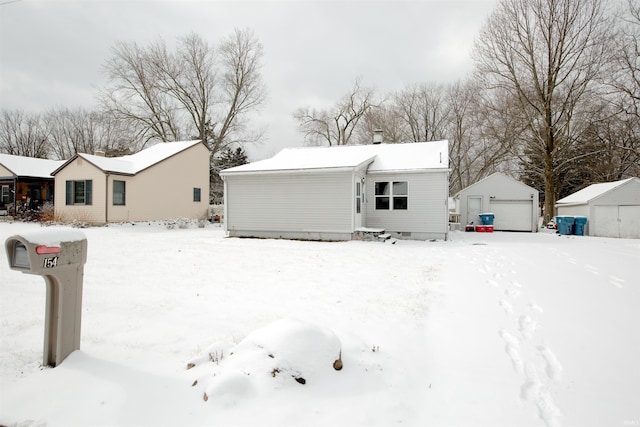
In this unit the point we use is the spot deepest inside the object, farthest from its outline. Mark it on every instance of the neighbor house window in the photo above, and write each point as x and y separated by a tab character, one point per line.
119	188
79	192
392	195
196	194
4	196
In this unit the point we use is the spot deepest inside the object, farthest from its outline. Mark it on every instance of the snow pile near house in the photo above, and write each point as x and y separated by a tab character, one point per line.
285	353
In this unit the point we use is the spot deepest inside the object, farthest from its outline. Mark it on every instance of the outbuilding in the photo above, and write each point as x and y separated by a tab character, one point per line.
612	208
513	204
341	193
166	181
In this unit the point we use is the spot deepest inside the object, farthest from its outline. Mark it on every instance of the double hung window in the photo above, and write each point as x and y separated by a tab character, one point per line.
392	195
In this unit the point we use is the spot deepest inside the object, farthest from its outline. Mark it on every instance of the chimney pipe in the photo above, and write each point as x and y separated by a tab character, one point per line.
377	136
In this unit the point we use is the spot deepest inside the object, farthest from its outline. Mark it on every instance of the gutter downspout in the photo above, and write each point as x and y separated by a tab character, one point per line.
106	199
15	196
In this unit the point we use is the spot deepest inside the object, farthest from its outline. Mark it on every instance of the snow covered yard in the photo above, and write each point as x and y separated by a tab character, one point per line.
492	329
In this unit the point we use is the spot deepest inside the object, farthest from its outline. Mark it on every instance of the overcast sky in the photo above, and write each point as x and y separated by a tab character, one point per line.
52	52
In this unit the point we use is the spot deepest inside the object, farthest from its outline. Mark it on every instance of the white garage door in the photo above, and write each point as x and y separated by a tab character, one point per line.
616	221
512	215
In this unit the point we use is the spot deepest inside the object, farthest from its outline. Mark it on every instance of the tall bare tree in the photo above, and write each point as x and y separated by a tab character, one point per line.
193	91
23	134
424	109
134	95
337	125
545	54
84	131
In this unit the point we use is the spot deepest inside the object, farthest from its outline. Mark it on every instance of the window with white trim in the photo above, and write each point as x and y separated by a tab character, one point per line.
392	195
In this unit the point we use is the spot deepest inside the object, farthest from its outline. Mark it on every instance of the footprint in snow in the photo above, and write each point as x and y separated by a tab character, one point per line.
527	326
506	306
554	368
512	348
616	281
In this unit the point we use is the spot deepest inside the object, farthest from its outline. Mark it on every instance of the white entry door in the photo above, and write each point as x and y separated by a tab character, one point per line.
359	201
474	207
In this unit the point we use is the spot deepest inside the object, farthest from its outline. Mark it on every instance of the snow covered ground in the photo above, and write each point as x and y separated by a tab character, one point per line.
488	329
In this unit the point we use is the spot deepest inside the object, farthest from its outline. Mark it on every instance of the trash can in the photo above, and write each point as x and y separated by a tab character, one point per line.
579	225
565	224
486	218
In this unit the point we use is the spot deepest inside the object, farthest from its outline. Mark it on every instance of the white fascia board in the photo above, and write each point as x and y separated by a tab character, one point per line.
288	171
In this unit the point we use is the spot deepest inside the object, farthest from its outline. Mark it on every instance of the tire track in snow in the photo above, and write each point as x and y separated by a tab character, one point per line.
537	382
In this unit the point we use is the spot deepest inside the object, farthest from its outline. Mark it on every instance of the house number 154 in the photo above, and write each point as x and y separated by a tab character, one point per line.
50	262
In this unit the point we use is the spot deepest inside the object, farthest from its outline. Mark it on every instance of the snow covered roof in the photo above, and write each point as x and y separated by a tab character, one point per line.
29	166
591	192
382	157
496	176
135	163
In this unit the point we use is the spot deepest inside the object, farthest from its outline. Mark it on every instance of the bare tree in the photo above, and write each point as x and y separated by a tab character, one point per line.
241	90
546	54
188	92
336	126
134	96
22	134
625	77
384	117
424	110
83	131
475	151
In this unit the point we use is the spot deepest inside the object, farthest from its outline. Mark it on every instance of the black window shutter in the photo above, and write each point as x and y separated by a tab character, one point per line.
88	190
69	193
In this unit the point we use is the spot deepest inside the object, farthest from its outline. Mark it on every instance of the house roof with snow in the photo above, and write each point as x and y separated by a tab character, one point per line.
496	176
134	163
593	191
380	157
32	167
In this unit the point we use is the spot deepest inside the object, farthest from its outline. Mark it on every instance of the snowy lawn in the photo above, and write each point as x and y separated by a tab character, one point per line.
488	329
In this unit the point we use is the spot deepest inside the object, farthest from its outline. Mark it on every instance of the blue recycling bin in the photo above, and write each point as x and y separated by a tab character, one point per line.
579	225
565	224
486	218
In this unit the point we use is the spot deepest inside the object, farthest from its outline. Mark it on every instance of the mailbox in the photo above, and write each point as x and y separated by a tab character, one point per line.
58	255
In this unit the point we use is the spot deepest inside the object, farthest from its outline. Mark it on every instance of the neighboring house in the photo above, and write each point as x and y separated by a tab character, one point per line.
612	208
336	193
514	204
167	180
25	182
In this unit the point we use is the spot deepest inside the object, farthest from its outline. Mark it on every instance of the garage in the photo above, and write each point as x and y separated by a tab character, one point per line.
616	221
514	204
511	215
612	208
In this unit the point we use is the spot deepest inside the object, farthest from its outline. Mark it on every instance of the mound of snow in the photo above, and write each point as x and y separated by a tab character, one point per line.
285	353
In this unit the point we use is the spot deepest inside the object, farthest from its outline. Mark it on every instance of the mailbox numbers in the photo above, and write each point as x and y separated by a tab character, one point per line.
50	262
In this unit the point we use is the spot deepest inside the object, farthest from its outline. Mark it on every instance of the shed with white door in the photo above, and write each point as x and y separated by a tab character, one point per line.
612	208
513	204
336	193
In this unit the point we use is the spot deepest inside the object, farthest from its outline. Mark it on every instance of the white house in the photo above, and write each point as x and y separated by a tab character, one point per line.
612	208
167	180
514	204
335	193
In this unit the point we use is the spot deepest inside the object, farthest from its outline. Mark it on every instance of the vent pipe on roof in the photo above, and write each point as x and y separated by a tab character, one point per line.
377	136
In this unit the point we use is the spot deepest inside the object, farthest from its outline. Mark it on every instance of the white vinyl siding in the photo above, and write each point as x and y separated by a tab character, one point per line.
305	202
427	208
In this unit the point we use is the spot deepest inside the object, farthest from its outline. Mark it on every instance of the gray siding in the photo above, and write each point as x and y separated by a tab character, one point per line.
294	205
427	213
